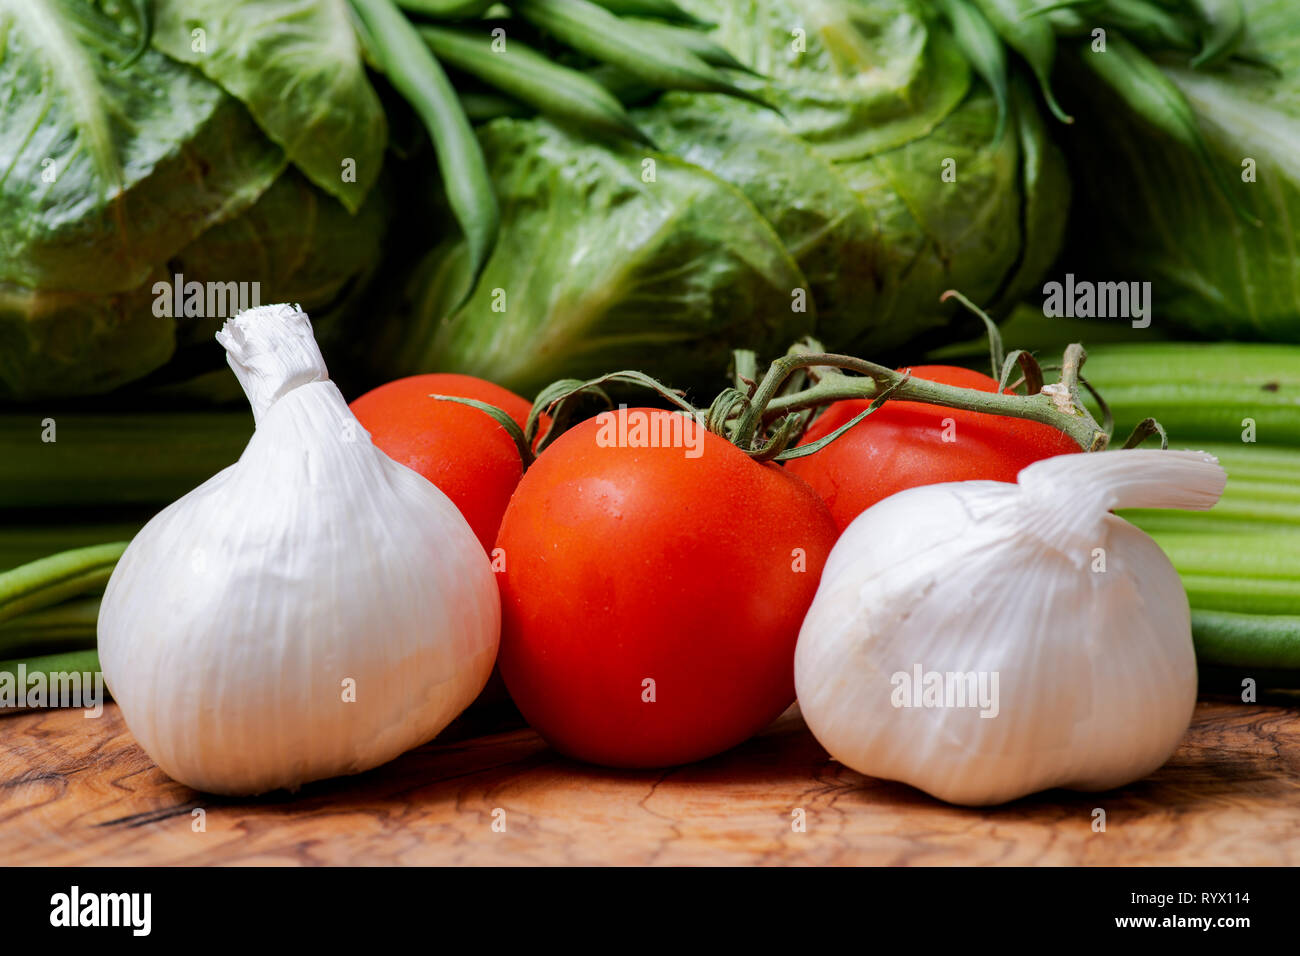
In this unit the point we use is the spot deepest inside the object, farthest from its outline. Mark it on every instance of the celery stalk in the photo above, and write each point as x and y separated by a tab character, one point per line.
58	459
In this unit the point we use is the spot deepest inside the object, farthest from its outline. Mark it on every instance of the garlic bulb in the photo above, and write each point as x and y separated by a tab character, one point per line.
983	640
315	609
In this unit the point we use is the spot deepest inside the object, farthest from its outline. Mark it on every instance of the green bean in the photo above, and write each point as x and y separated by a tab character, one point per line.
67	626
659	9
1091	6
1069	17
48	665
1247	640
1031	37
983	48
1156	100
601	35
624	87
23	543
529	77
448	9
86	660
1224	28
481	106
56	578
414	72
708	50
1149	24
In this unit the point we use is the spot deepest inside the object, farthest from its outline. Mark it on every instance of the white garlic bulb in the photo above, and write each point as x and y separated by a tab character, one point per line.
983	640
315	609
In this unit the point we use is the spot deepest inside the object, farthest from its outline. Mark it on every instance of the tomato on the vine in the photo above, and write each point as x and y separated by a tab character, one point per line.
470	457
652	596
905	444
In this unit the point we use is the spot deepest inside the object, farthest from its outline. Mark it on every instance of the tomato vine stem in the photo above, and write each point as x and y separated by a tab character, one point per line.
1057	406
764	417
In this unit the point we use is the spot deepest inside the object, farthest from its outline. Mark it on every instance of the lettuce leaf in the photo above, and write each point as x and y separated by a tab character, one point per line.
862	204
296	243
297	66
599	269
841	194
853	78
119	172
1155	213
105	171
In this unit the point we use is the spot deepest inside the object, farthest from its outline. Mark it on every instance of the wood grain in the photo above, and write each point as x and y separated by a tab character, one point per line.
79	791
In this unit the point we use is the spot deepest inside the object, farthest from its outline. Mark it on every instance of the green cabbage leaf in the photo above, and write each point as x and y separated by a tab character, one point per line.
297	66
118	173
1156	213
603	264
878	174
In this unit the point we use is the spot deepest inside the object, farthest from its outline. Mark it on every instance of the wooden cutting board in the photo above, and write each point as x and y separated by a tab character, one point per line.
79	791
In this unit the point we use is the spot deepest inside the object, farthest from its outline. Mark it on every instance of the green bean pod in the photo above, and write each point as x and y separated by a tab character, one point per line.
983	48
1247	640
481	106
527	76
87	660
1070	17
622	85
63	627
659	9
708	50
1149	24
601	35
39	536
1030	36
414	72
447	9
49	665
48	581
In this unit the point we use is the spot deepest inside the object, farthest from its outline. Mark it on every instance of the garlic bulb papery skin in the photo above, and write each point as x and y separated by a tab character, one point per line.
982	640
313	610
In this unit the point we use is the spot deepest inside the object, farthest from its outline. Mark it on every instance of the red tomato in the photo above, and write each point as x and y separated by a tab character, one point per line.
905	444
460	449
651	600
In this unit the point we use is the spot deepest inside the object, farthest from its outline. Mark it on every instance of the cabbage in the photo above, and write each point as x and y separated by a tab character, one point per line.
880	237
1156	213
246	144
119	173
841	195
595	268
